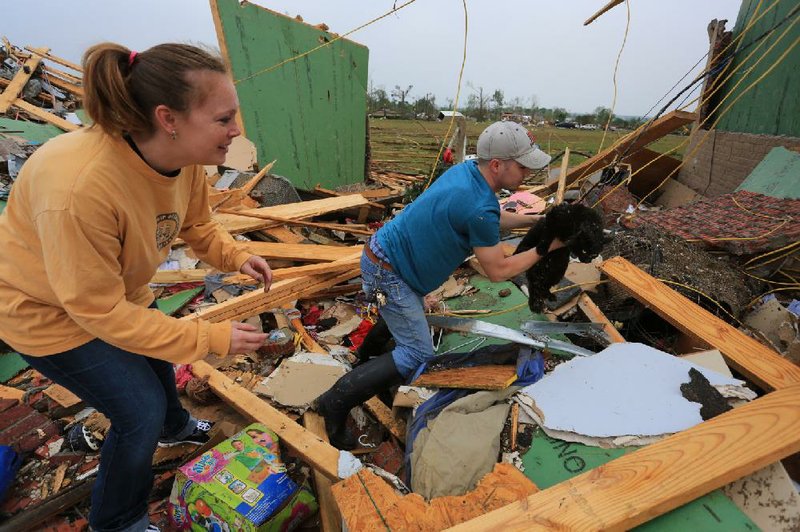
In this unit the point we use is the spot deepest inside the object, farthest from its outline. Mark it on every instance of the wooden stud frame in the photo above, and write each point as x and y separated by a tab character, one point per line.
639	486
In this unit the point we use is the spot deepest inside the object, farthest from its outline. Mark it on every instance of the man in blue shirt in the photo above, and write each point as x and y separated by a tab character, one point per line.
413	254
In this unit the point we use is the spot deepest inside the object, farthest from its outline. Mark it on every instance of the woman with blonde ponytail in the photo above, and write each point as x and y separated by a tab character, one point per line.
89	219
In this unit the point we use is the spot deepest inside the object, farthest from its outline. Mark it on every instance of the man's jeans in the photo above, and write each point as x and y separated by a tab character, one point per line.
404	314
138	395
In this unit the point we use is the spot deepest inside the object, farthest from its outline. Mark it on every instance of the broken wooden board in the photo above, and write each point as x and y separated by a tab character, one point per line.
627	144
321	455
234	223
41	114
62	396
761	365
367	502
595	315
649	169
256	302
494	377
330	519
300	252
20	79
655	479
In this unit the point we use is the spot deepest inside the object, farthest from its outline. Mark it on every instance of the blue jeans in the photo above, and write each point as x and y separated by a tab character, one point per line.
138	395
404	314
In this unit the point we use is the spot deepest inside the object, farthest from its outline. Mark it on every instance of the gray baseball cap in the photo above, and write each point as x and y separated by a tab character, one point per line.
509	140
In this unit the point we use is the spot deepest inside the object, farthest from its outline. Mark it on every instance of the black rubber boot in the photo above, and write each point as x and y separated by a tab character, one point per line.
352	390
375	342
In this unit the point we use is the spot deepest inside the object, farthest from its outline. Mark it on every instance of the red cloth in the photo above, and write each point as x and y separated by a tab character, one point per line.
357	336
312	316
183	375
447	156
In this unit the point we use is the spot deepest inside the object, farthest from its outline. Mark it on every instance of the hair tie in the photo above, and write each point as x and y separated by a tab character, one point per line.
131	58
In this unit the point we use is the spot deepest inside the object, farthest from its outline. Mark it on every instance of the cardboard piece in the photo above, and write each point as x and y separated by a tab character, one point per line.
298	380
628	394
674	194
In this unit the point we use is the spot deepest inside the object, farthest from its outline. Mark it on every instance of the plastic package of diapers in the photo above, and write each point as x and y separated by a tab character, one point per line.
240	484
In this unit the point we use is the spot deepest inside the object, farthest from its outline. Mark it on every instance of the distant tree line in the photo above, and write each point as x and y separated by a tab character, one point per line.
482	105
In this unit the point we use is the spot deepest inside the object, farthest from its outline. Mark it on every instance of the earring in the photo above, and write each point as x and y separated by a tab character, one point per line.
174	135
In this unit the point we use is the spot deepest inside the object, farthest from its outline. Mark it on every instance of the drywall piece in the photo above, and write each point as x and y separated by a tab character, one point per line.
298	380
585	275
768	318
628	394
335	334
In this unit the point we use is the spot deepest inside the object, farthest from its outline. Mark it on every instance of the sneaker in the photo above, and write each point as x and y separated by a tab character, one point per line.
199	436
152	528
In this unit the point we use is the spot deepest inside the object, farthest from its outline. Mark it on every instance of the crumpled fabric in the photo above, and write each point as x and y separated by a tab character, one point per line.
357	336
461	445
312	316
183	374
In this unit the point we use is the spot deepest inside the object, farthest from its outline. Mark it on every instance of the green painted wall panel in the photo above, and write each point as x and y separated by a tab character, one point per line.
772	106
309	114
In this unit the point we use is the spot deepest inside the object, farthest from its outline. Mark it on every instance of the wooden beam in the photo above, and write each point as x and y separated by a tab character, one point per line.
18	82
607	7
332	193
658	478
562	176
76	90
629	143
239	223
301	252
330	519
251	184
41	114
595	315
289	221
762	365
66	76
44	53
283	234
496	377
322	456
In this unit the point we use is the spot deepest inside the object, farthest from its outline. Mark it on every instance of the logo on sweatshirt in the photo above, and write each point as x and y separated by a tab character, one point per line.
166	228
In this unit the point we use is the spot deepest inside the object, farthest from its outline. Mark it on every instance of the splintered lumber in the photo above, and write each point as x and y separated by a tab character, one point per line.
250	304
321	455
279	274
605	8
644	484
238	223
20	79
367	502
283	234
760	364
562	177
492	377
595	315
9	392
41	114
329	517
45	53
627	144
289	221
300	252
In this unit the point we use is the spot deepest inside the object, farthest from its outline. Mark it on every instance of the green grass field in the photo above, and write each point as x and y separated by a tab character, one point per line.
410	146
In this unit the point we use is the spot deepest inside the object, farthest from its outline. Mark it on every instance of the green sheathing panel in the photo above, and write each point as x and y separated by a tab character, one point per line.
777	175
30	131
509	311
309	114
772	106
550	461
10	365
171	304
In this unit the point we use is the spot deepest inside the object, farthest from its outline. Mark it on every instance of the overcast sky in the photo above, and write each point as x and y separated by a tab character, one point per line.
524	47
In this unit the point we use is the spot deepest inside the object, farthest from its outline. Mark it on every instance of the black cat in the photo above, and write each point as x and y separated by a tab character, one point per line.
580	228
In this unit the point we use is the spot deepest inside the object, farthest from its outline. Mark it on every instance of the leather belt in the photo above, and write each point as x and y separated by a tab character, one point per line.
374	258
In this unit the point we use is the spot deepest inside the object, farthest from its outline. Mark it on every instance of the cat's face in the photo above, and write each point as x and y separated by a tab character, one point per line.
588	241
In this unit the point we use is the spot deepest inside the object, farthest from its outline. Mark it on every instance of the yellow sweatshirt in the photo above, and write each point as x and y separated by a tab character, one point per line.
86	226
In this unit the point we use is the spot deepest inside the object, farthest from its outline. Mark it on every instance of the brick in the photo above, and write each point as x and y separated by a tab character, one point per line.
388	456
88	466
69	458
35	439
5	404
15	504
13	415
22	428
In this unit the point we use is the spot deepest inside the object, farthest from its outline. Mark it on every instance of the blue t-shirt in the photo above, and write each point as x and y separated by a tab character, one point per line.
427	241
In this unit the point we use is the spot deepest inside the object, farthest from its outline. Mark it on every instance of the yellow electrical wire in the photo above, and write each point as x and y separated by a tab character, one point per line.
614	77
327	43
767	293
793	244
455	102
718	86
704	295
795	283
